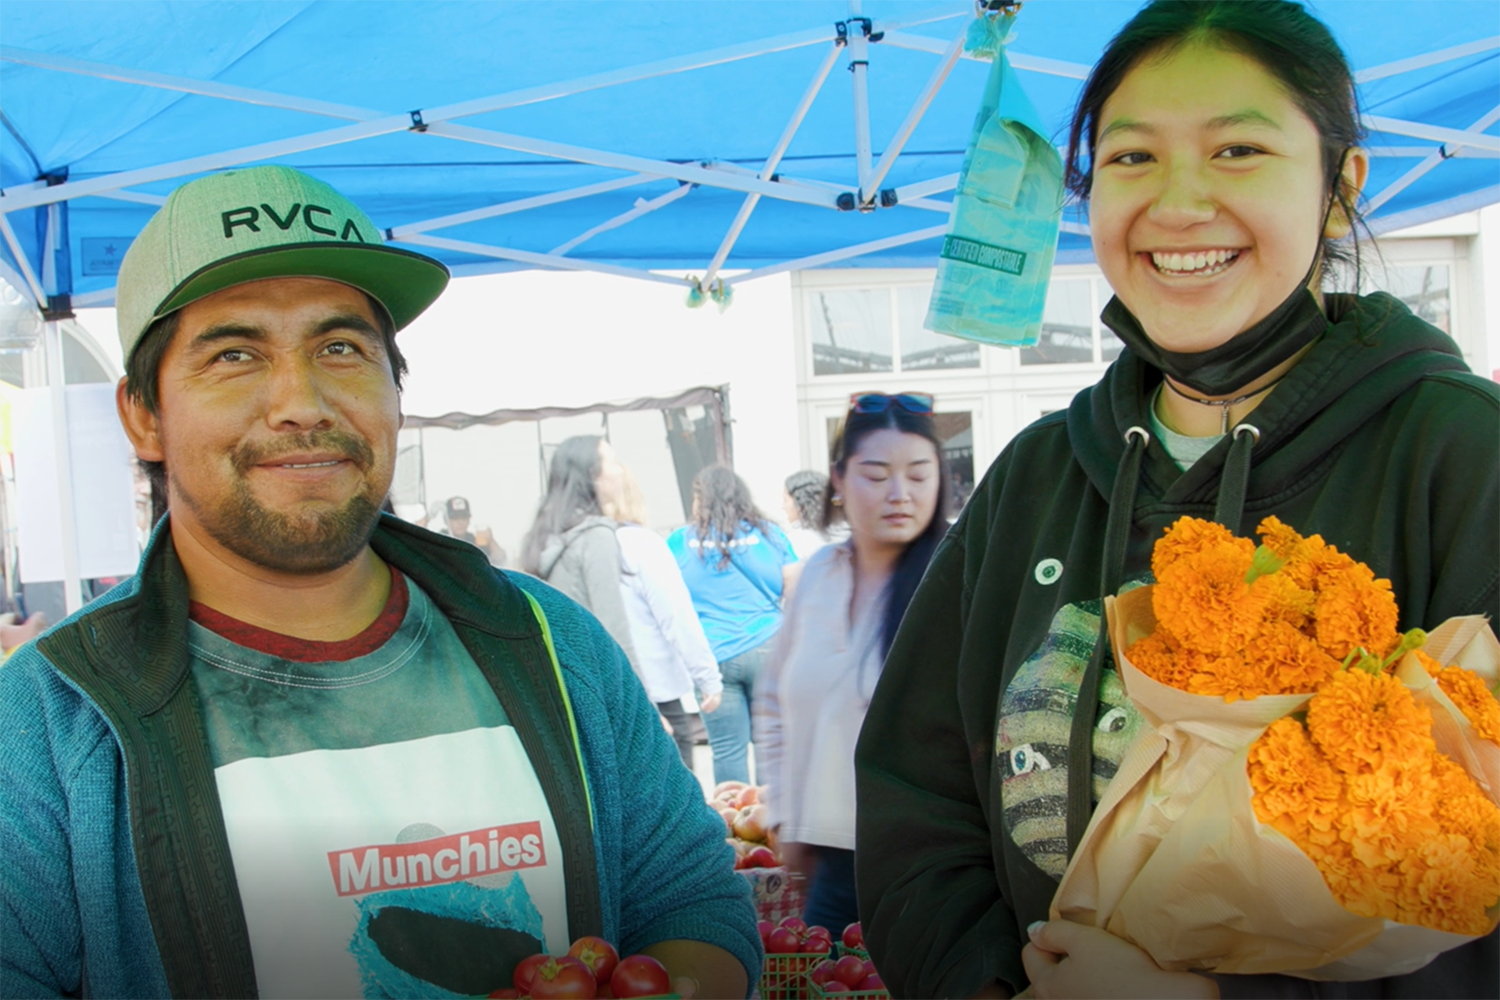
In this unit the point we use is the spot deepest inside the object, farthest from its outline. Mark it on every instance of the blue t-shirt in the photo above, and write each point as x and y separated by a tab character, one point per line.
740	604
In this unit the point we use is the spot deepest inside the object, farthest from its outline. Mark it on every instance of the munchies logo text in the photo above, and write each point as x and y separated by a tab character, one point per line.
441	859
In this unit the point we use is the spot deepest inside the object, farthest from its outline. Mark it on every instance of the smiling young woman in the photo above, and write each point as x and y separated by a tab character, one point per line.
1217	146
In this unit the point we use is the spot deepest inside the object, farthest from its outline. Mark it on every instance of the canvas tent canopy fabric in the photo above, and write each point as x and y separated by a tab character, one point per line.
663	140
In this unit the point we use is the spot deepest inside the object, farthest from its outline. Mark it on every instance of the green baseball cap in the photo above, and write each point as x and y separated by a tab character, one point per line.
263	222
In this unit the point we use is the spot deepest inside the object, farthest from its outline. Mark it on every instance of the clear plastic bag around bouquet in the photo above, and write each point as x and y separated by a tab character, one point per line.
1176	861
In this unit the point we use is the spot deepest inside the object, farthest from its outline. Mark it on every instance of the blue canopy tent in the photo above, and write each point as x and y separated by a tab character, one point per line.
664	140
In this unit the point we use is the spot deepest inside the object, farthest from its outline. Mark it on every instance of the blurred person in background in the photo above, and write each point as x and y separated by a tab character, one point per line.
736	566
673	656
457	516
572	544
802	502
887	483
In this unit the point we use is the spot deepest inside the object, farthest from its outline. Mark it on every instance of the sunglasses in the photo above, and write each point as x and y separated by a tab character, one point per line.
879	402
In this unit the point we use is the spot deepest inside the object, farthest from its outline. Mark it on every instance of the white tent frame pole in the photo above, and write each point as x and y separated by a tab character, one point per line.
642	207
521	205
57	399
859	65
1429	59
184	84
1437	133
747	206
90	300
138	197
1422	152
202	164
830	256
38	295
1433	159
537	259
922	189
693	173
1018	60
868	192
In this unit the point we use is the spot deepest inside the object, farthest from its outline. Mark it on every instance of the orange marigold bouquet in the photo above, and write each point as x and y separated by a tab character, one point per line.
1318	794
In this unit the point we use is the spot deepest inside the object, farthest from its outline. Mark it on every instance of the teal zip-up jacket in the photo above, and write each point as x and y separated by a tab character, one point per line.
115	873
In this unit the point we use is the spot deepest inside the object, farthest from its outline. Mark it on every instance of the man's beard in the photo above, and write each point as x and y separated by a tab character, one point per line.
301	544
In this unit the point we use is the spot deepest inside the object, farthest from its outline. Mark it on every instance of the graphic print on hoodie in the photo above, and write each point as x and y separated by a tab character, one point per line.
1034	728
389	835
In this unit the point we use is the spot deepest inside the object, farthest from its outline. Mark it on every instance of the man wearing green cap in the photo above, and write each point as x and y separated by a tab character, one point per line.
309	750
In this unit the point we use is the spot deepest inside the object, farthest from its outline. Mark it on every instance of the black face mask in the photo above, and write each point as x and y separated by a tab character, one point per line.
1238	361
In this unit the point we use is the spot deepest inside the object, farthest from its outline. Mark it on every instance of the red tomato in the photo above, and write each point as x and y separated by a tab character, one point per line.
563	978
871	982
834	986
821	973
816	944
784	941
849	970
525	972
598	954
506	993
854	936
765	927
640	976
794	923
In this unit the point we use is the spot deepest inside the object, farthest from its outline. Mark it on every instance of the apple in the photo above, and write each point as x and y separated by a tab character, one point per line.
748	796
760	856
752	822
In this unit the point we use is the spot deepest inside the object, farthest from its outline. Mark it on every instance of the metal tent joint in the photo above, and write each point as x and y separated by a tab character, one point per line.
417	124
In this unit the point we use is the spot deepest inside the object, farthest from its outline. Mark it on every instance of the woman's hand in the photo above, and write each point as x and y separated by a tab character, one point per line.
1067	960
709	703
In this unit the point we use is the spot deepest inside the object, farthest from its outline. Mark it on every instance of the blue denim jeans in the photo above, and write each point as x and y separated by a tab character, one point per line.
831	901
729	724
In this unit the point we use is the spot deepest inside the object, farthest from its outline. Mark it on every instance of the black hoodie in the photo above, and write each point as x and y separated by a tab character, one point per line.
1380	440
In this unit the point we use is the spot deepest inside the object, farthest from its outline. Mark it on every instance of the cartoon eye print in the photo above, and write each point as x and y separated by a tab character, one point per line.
1024	759
1113	721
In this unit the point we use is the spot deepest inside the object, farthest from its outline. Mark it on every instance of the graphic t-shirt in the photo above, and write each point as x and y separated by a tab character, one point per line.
389	835
738	604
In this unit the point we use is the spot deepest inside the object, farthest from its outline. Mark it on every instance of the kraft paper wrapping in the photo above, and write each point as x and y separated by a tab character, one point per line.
1175	861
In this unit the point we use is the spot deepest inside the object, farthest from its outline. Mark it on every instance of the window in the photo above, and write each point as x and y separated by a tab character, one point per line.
1423	287
862	330
1071	331
851	331
921	349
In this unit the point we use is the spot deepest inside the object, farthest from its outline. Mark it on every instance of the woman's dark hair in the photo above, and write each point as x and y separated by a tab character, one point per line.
808	490
723	510
570	496
913	561
1294	47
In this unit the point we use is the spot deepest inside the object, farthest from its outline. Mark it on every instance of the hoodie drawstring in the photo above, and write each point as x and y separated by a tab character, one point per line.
1230	509
1116	535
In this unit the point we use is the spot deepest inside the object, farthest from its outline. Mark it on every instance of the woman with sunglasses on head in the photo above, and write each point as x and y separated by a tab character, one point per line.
1216	144
737	565
887	484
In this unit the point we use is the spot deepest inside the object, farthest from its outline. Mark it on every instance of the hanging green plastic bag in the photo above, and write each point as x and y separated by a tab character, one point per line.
1002	231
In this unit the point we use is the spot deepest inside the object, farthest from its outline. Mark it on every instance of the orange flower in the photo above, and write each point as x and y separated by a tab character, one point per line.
1364	721
1286	661
1296	790
1189	536
1477	702
1203	602
1354	610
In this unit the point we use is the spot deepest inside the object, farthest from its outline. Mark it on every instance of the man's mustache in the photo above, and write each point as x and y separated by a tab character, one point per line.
339	443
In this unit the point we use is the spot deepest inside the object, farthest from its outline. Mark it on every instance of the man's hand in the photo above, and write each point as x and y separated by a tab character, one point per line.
1067	960
709	703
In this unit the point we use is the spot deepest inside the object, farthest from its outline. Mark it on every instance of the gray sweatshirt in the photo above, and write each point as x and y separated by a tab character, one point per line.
584	563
